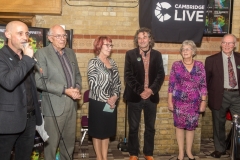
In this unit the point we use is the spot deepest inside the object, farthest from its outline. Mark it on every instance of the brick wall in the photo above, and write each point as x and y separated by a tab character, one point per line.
165	141
121	24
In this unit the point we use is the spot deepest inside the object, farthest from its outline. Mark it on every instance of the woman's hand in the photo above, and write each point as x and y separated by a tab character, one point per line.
170	103
202	107
112	100
170	106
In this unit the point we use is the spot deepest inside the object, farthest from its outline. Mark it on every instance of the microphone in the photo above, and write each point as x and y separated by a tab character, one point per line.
35	60
38	66
24	44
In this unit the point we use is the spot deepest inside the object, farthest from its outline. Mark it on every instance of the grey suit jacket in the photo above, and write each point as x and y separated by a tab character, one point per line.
54	78
13	100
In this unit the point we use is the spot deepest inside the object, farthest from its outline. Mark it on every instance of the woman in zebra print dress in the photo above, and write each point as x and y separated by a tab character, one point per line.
105	85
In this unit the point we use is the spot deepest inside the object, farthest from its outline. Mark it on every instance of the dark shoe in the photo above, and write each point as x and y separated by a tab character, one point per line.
191	158
217	154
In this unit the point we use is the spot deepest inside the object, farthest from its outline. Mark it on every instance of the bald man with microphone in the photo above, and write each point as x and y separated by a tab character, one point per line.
19	108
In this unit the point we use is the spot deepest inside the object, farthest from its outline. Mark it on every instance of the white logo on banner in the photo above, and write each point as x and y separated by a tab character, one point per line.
158	13
188	12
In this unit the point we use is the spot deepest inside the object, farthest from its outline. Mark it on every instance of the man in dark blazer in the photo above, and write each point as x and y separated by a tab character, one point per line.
19	108
144	76
223	89
61	75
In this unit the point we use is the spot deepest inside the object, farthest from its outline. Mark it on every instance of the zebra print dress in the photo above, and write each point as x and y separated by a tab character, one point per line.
104	83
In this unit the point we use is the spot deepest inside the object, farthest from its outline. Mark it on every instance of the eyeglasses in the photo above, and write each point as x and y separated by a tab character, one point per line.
109	45
59	36
228	43
185	49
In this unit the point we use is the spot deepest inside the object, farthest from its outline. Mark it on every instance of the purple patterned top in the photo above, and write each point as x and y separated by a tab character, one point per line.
187	88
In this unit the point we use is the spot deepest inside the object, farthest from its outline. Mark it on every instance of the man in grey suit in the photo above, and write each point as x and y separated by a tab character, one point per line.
223	82
19	108
59	79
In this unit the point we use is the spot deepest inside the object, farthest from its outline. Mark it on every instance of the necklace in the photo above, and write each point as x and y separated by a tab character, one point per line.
188	64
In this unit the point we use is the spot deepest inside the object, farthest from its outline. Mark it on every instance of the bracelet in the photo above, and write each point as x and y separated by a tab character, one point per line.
203	100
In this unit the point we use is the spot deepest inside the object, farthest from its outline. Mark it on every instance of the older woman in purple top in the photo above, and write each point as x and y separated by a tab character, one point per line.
187	96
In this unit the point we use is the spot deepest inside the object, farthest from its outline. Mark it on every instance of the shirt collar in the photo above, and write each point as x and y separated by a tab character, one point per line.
225	56
12	52
63	51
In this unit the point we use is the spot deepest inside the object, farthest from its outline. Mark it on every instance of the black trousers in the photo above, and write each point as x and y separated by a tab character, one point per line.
134	117
22	141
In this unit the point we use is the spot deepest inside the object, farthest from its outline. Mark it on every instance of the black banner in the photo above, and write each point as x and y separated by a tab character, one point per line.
145	13
175	20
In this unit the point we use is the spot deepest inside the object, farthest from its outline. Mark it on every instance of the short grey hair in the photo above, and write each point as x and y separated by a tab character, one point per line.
190	43
49	32
234	37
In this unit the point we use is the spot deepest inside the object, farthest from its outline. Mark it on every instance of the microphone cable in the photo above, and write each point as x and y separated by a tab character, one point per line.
39	69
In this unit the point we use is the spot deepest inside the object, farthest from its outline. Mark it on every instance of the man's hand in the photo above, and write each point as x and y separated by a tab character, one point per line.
27	49
74	93
146	93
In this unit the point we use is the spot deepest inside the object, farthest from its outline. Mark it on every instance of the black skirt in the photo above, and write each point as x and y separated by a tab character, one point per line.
101	124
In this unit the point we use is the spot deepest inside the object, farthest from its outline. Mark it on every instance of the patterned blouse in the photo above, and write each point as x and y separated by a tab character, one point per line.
103	82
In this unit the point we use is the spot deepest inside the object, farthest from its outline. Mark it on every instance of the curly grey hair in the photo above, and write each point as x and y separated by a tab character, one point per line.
146	30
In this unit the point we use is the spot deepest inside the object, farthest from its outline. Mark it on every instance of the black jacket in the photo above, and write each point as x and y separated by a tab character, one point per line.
13	100
134	75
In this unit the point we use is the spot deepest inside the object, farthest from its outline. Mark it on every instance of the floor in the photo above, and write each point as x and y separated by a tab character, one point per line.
86	152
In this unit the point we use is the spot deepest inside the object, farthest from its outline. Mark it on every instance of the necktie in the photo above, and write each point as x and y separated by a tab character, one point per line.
231	75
